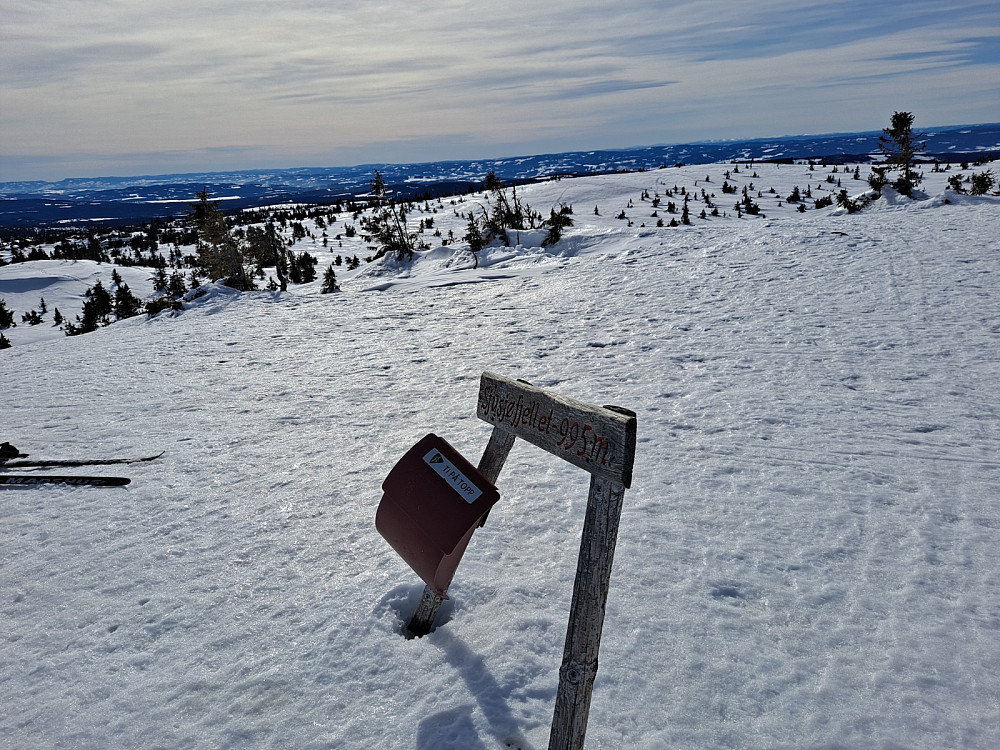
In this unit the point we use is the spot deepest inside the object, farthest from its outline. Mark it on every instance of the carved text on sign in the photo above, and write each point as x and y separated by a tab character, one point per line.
600	440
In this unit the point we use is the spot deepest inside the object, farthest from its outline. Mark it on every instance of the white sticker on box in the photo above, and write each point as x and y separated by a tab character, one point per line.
455	478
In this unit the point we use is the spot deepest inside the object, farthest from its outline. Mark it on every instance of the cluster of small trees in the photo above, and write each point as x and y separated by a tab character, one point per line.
387	232
507	214
235	259
900	148
100	305
123	246
980	183
33	318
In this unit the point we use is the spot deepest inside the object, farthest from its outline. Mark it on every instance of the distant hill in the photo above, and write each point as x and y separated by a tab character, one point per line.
123	199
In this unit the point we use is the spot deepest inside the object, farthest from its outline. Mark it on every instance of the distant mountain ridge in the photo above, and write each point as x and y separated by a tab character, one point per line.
125	199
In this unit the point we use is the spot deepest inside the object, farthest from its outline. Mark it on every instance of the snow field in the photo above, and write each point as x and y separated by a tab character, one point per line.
807	555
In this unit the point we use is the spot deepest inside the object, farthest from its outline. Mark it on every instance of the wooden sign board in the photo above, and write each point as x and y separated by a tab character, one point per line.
598	440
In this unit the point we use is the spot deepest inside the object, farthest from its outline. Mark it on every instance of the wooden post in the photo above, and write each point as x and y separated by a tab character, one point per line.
586	616
423	619
600	440
490	465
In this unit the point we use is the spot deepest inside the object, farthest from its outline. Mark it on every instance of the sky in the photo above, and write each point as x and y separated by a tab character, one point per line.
129	87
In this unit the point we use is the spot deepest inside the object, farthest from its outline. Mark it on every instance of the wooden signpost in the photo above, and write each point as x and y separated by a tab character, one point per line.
600	440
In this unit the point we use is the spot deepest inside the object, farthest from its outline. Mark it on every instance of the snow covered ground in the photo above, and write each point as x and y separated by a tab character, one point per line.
808	555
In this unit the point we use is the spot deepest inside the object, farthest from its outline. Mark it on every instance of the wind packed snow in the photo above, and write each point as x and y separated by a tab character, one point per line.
808	555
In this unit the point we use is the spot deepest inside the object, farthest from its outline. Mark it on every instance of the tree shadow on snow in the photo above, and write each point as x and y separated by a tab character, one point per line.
455	725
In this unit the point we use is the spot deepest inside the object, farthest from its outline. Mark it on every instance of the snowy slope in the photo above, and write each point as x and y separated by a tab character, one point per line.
808	554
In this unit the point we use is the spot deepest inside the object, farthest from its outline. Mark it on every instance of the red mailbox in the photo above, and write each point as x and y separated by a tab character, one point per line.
432	502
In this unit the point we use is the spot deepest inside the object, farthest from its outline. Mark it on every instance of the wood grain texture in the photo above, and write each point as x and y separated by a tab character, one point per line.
586	616
598	439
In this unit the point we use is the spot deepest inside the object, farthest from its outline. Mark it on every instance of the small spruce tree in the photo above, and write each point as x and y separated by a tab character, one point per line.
305	267
219	253
6	316
476	239
386	226
557	222
97	308
127	305
982	182
176	286
329	281
508	213
900	147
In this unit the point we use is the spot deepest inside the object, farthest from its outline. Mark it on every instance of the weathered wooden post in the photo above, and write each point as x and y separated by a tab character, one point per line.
586	614
600	440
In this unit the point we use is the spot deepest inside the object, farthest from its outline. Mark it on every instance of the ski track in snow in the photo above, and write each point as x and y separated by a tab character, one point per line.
808	554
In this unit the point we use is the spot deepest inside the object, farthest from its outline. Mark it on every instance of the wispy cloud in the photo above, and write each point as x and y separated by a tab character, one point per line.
310	82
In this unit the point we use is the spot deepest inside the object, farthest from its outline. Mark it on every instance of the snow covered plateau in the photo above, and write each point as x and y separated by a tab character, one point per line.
808	554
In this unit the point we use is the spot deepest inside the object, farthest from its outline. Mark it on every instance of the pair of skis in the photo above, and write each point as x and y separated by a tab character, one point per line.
16	460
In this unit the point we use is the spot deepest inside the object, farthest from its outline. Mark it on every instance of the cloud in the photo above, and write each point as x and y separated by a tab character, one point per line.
317	79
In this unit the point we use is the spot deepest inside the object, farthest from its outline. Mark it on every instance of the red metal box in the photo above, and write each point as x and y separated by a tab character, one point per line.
432	502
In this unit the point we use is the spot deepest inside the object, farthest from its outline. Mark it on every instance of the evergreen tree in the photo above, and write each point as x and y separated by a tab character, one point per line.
982	182
160	281
387	225
557	222
267	249
219	253
4	342
307	266
474	236
176	286
508	212
329	281
97	307
95	251
900	147
6	316
127	305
